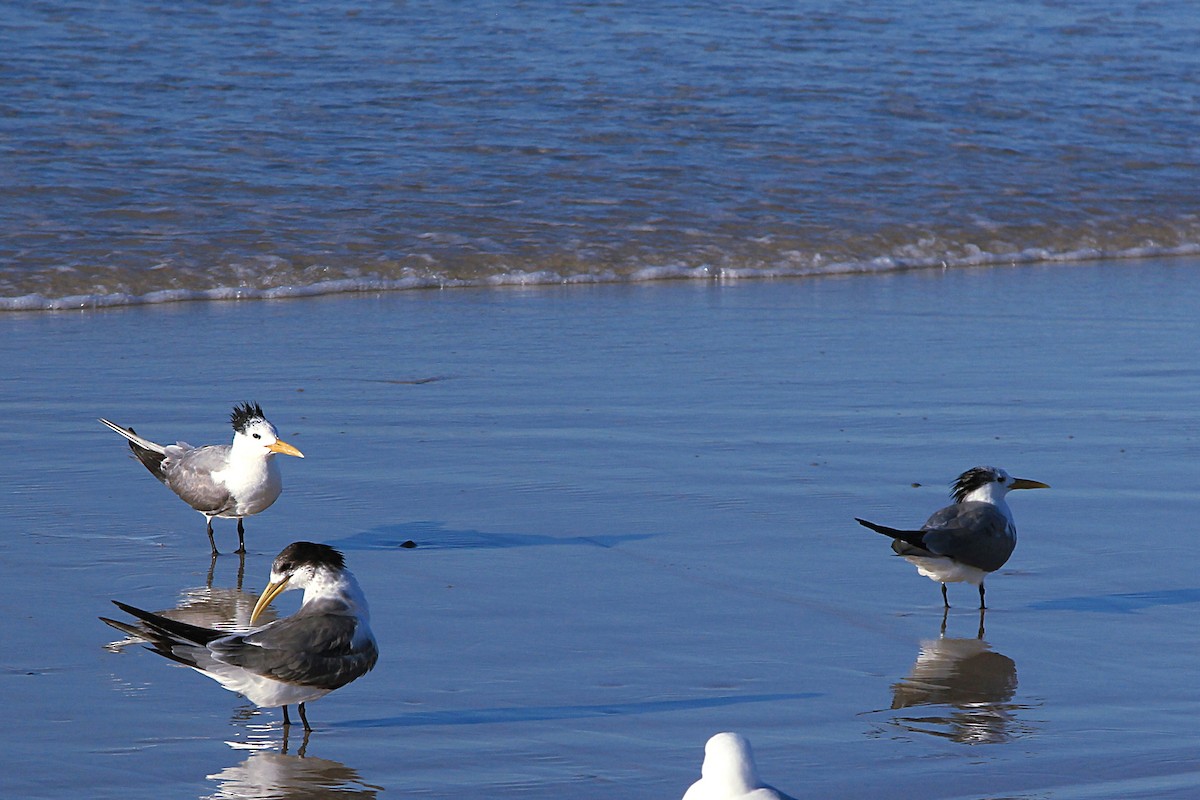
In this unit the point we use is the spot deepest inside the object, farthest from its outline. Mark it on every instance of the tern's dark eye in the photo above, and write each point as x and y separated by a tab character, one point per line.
256	435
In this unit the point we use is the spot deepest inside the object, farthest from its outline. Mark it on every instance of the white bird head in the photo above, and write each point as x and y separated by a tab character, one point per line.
728	769
989	485
252	432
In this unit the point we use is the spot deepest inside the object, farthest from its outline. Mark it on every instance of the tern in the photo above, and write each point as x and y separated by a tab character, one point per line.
968	540
220	480
729	773
323	646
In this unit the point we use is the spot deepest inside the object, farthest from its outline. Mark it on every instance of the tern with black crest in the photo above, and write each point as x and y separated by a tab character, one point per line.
233	480
323	646
968	540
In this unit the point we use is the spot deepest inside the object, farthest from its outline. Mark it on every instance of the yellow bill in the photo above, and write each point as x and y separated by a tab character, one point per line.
280	446
272	591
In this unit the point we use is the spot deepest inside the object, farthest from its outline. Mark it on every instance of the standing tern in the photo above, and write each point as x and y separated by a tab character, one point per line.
967	540
220	480
729	772
324	646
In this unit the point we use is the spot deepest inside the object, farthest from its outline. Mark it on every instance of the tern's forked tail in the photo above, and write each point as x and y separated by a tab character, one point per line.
151	454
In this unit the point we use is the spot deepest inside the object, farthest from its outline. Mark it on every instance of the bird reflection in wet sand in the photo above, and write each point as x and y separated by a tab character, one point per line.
289	777
974	683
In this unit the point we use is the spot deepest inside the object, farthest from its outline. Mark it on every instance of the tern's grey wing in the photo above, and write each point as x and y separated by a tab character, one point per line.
313	649
973	533
189	473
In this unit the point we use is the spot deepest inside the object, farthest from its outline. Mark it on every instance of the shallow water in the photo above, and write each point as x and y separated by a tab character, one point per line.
633	509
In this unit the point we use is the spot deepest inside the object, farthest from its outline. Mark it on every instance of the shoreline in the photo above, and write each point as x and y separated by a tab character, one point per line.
519	279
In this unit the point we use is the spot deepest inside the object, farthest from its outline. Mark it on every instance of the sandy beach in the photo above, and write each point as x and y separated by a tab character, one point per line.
633	509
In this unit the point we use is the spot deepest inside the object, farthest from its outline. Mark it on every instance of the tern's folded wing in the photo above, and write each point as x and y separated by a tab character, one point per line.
972	533
190	475
321	650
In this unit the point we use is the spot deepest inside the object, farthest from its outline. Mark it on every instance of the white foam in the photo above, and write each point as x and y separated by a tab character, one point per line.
789	264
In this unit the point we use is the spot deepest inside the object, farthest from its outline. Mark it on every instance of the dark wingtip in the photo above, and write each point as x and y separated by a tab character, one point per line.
134	611
162	625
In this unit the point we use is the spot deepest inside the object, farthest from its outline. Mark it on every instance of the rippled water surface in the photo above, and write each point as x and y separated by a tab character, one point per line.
159	151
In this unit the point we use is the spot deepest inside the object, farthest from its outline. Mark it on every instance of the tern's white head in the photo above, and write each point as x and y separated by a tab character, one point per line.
989	485
318	569
252	433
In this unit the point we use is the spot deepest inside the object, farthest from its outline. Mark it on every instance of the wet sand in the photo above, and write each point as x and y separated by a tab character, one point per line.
633	509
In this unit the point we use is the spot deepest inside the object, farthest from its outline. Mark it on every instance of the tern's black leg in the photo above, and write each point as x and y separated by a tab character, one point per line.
945	613
945	599
304	718
241	537
212	542
981	603
287	723
982	611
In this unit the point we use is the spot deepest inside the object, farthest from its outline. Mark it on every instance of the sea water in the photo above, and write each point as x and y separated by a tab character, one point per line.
157	151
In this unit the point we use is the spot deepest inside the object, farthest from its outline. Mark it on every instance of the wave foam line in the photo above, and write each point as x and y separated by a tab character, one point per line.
880	265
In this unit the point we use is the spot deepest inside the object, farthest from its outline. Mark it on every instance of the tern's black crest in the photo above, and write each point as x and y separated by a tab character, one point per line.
972	479
298	554
244	414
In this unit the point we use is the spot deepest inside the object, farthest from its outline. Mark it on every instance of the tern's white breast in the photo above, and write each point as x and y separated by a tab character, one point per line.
255	483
